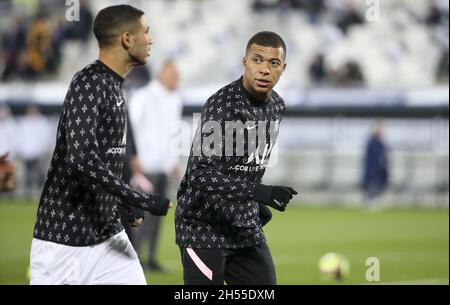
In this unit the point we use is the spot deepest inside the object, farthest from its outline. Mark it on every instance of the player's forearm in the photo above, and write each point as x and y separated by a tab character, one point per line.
97	173
83	155
210	180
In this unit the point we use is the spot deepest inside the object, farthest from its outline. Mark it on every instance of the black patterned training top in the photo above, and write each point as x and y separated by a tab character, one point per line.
215	207
78	205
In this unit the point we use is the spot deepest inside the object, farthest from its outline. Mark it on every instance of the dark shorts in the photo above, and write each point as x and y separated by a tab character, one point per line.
246	266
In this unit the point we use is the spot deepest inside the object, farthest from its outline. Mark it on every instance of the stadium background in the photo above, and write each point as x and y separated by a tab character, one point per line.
350	64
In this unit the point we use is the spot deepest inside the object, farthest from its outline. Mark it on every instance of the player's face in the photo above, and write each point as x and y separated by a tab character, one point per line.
142	41
263	67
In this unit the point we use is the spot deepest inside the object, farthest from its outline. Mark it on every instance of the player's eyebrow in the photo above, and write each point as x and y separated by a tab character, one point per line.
270	59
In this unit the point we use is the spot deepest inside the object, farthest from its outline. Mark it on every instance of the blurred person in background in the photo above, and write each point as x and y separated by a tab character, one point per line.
437	20
375	167
7	174
132	174
346	75
350	17
313	8
8	131
13	46
7	149
33	145
263	5
317	71
155	111
349	74
38	47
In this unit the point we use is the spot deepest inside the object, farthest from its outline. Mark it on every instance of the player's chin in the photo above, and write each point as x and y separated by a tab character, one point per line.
140	60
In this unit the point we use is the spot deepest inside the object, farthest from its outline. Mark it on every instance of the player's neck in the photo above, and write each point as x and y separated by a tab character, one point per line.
111	60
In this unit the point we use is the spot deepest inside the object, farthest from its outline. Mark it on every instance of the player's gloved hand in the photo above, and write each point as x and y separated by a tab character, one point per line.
161	206
135	216
275	196
265	215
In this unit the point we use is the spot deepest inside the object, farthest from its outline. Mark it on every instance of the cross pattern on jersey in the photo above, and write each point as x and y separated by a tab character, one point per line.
78	205
215	207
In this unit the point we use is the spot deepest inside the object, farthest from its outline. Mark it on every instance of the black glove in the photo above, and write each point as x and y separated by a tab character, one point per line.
275	196
162	205
265	215
134	213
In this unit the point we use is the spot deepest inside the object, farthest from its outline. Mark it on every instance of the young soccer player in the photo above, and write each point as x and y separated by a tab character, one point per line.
222	204
78	237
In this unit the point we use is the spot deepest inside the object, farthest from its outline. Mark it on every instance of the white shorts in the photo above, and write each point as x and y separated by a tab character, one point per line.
112	262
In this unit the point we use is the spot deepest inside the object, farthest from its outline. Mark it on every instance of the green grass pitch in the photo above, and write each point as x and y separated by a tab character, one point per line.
412	245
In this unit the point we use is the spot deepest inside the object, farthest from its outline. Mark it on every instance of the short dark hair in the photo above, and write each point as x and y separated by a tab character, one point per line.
267	39
113	20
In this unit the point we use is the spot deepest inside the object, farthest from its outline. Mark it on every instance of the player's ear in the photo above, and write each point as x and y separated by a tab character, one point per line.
284	66
244	61
127	40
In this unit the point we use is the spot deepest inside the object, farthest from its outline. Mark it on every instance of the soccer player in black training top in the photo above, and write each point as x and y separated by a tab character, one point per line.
222	204
78	237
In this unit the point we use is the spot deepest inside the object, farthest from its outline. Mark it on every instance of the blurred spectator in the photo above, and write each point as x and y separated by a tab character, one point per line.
263	5
354	74
376	172
8	128
13	42
58	40
317	72
7	174
350	18
7	149
33	136
155	111
289	4
313	8
433	16
132	172
437	19
39	47
442	71
81	30
348	75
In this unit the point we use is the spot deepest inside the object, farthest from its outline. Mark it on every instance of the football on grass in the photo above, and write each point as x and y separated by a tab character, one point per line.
334	266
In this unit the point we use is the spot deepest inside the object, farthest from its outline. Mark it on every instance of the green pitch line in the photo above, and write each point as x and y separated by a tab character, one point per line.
411	245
